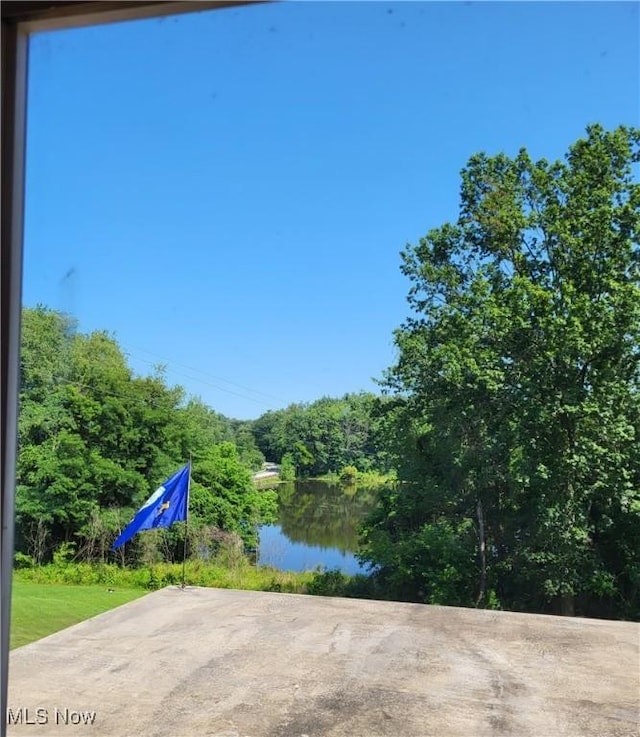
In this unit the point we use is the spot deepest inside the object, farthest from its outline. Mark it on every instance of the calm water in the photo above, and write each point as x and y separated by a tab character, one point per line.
317	526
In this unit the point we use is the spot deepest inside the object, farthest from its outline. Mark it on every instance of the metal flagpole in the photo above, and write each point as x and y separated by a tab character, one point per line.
186	526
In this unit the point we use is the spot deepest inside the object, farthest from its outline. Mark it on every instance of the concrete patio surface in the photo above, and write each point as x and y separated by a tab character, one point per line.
211	662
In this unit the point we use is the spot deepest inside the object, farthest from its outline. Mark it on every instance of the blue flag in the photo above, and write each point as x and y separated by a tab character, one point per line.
167	504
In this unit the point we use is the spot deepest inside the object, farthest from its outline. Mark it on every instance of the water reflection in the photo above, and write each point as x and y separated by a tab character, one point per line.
317	526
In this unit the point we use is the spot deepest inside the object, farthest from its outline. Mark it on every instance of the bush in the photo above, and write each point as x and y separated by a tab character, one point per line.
361	586
64	554
21	560
328	583
349	475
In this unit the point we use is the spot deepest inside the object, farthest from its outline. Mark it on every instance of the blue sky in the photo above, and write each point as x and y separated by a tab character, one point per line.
228	192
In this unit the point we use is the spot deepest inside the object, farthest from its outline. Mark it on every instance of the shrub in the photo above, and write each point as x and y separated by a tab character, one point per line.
328	583
64	554
21	560
349	475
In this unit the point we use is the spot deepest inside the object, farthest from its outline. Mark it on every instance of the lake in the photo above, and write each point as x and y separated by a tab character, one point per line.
317	526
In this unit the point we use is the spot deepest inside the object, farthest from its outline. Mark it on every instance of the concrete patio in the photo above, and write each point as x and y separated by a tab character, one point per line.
245	664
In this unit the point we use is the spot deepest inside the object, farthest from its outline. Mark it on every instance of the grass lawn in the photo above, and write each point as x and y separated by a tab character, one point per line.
40	609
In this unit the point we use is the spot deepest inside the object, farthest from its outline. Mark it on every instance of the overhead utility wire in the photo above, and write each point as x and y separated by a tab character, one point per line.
208	383
200	371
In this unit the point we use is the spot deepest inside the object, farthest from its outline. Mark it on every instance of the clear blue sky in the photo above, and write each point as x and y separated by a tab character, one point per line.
228	192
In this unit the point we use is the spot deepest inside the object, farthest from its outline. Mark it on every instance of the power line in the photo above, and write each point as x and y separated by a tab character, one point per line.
208	383
200	371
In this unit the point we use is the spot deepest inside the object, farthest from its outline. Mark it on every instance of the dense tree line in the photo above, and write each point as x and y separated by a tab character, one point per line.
515	414
326	435
95	440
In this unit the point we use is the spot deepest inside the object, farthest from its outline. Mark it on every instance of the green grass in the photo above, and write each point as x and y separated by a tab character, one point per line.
40	609
227	571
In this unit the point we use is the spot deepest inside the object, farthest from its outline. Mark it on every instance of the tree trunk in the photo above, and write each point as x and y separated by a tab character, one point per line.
483	554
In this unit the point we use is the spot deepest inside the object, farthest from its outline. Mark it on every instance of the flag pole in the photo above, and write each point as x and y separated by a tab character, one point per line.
186	528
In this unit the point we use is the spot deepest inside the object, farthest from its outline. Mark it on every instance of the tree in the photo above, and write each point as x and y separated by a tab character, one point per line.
518	385
224	496
78	442
248	451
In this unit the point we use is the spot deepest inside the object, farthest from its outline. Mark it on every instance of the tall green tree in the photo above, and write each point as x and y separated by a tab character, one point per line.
250	455
224	496
77	434
517	385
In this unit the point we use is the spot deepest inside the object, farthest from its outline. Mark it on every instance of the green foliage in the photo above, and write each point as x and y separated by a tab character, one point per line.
326	435
303	459
516	414
328	583
335	583
216	573
249	453
433	564
21	560
287	468
349	475
223	494
64	555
